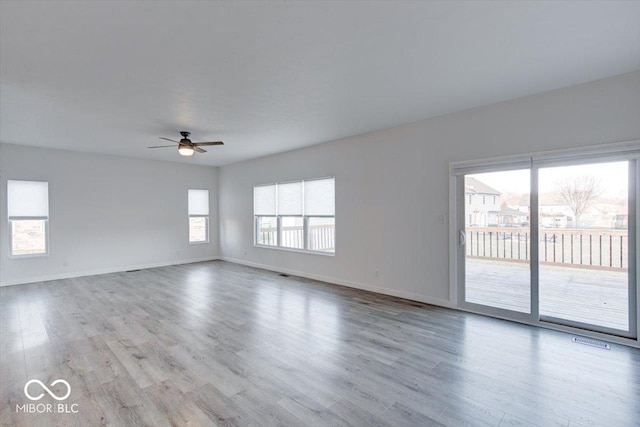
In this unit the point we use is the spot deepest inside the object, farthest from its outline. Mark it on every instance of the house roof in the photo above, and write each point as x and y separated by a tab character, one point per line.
475	186
507	211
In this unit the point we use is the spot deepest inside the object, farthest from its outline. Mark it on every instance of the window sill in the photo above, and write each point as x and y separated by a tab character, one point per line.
46	254
198	243
301	251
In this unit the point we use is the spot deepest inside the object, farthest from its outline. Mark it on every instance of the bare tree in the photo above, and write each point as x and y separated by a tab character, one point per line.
579	191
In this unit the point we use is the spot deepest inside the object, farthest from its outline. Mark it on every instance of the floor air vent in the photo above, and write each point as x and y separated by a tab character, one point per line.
283	275
132	271
593	343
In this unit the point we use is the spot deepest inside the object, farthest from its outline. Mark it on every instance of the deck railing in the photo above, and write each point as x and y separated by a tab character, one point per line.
583	248
321	237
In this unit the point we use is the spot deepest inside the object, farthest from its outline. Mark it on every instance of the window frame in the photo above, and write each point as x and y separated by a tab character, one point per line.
12	218
206	225
198	215
280	230
307	235
256	219
305	223
46	236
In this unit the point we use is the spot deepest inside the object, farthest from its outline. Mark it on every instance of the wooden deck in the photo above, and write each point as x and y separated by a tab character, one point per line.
582	295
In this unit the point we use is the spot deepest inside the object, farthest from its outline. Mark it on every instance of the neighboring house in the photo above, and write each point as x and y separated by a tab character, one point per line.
482	203
556	213
621	222
509	217
524	205
612	214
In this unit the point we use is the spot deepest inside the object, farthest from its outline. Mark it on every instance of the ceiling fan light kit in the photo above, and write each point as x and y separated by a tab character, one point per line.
185	146
185	150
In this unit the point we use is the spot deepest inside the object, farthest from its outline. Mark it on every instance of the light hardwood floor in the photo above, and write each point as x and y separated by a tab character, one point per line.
221	344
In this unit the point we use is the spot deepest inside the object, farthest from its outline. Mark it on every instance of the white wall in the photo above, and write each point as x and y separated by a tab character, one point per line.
111	213
106	213
392	185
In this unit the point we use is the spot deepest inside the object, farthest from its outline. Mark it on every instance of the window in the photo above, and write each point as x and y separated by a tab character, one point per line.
291	232
198	216
267	230
296	215
264	210
28	211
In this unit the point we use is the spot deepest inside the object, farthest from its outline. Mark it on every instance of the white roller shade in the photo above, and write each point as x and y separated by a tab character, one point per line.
320	197
264	200
198	202
28	199
290	198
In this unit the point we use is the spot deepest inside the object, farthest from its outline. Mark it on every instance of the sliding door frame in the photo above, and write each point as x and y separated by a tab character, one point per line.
629	151
461	249
631	247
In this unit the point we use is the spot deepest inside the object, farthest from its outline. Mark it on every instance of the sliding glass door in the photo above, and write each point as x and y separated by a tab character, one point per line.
552	242
584	275
496	229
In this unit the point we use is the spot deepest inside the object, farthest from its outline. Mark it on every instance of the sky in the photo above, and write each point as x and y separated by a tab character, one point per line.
614	178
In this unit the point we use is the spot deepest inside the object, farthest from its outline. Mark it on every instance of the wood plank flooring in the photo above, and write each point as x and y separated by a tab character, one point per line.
218	344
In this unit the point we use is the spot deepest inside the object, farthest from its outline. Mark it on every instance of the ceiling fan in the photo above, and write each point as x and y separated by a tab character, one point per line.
185	146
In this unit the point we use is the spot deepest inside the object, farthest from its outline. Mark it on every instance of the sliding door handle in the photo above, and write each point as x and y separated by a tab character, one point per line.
462	238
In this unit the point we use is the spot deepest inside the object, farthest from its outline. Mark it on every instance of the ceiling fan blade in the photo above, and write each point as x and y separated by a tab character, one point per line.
209	143
198	149
167	139
162	146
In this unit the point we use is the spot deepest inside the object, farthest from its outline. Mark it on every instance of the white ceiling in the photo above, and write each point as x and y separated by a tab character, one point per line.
266	77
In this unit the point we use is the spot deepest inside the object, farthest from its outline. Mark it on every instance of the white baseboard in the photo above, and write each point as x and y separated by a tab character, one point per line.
71	275
362	286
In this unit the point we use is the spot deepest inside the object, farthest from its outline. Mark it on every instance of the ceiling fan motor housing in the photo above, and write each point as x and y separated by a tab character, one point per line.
186	146
185	138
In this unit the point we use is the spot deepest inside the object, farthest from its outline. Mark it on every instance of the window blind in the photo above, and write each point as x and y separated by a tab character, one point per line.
198	202
27	199
264	200
319	197
290	198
